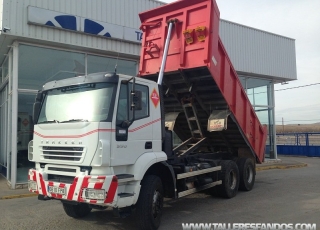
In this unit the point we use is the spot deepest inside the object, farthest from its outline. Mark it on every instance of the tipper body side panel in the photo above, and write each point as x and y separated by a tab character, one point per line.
198	65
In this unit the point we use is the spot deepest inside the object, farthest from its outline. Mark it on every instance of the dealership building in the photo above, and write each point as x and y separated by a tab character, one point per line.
47	40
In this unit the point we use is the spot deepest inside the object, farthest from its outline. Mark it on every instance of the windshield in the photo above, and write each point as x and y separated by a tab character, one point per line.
86	102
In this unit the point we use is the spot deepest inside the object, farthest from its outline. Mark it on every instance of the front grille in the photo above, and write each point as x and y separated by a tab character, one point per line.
62	153
62	169
61	179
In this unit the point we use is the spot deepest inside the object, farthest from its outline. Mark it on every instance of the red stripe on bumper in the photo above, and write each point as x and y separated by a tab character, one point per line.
84	185
72	188
43	186
112	190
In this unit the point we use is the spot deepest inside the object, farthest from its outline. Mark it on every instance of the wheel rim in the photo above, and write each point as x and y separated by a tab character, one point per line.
232	180
249	175
156	204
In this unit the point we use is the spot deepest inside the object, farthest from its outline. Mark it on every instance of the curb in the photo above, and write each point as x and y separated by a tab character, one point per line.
18	196
300	165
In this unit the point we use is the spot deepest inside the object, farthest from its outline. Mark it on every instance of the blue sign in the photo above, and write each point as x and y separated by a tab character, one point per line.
59	20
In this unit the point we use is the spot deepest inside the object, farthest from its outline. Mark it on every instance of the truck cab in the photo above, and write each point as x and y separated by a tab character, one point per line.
95	137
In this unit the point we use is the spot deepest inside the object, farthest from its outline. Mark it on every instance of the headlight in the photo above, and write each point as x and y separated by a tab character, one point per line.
95	194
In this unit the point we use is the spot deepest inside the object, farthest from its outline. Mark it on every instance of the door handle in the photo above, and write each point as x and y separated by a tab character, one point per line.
148	145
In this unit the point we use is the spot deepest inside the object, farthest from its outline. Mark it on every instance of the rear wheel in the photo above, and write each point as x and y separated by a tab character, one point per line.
150	203
229	175
76	211
247	174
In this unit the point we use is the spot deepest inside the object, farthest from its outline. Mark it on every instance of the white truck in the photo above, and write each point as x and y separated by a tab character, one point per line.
106	139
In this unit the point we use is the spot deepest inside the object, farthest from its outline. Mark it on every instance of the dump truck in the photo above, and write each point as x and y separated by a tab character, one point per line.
182	125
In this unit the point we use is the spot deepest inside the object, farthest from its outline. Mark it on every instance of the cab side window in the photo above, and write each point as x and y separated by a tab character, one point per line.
124	112
144	112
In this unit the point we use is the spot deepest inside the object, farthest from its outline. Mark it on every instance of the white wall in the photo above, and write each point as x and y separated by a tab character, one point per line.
259	52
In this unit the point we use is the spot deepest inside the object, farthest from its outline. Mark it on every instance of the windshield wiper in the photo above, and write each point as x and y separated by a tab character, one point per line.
75	120
50	121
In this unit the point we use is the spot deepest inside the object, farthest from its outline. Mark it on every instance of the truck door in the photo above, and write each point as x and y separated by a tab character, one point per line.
131	142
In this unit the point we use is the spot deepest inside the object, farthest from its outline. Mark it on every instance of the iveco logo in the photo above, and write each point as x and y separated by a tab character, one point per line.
53	142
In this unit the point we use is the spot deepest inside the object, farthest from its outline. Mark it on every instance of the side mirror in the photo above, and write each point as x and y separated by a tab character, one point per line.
136	100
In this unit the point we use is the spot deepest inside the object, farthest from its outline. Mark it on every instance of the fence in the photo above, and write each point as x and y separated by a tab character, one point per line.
303	144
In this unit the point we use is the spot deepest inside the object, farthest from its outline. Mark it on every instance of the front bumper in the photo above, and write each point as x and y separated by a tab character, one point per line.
78	190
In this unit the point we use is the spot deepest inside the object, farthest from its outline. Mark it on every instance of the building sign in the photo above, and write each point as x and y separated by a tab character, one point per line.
43	17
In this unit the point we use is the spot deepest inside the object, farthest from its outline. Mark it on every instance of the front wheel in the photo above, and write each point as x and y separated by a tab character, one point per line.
76	211
150	203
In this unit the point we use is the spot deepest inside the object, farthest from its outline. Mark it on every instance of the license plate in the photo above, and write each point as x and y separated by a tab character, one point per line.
57	190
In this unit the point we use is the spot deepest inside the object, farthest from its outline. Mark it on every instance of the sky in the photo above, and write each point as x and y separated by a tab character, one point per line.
297	19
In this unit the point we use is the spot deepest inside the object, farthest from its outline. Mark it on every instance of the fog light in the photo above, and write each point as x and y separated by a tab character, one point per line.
95	194
32	185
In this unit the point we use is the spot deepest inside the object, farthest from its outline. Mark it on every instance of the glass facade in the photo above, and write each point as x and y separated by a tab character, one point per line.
3	130
34	67
38	65
261	95
24	134
105	64
5	69
5	116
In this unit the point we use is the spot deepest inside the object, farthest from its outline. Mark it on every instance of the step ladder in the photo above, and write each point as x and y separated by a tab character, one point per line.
188	146
197	136
190	111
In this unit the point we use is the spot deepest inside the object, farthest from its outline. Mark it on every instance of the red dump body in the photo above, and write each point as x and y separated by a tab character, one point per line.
203	61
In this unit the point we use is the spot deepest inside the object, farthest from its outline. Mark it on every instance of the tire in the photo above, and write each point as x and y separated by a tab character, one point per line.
229	175
247	174
76	211
150	203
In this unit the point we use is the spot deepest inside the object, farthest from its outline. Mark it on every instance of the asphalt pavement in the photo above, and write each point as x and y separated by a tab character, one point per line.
285	195
282	195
